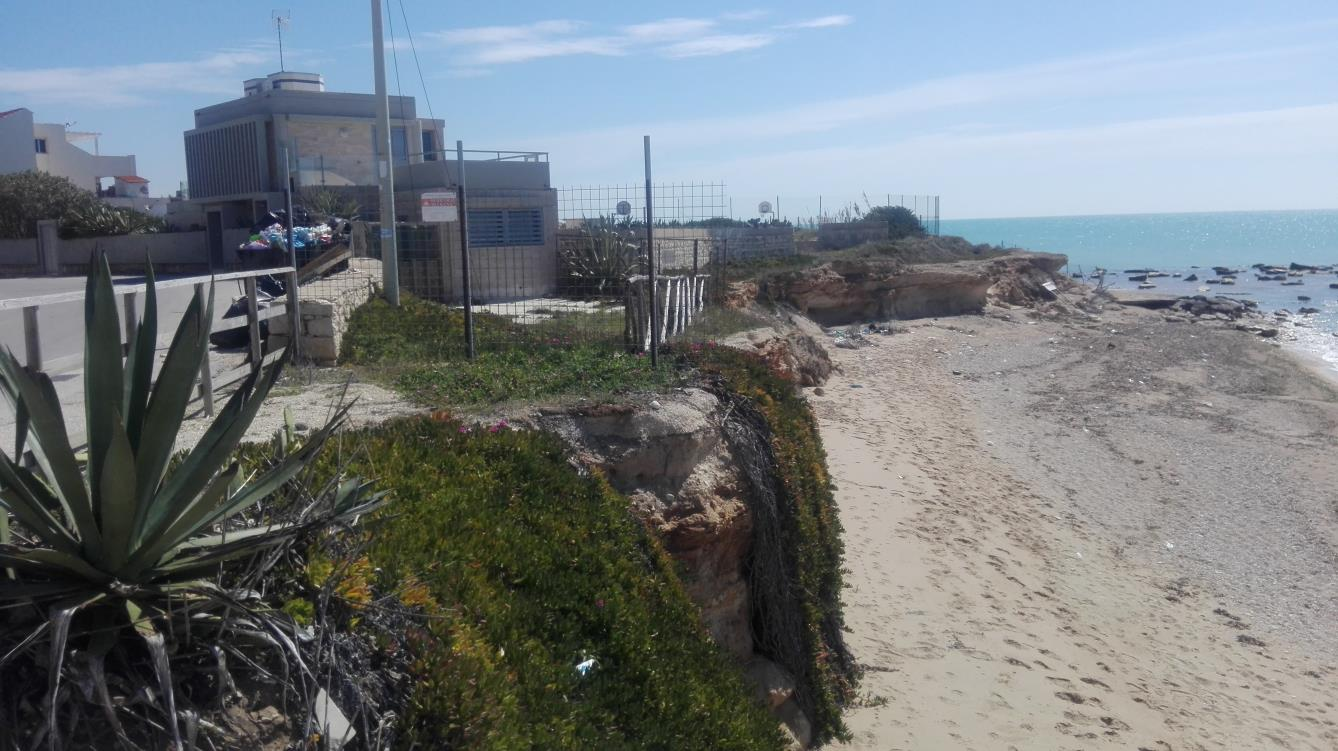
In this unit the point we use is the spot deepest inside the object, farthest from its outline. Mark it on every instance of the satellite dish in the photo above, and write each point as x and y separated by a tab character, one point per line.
764	207
624	208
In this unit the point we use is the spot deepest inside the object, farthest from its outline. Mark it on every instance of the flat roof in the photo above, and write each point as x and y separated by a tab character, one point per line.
292	102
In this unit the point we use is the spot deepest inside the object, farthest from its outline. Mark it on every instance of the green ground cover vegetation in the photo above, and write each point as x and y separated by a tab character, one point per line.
525	569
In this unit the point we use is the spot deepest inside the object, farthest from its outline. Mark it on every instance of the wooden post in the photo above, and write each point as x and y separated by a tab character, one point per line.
32	339
253	321
295	318
131	320
206	374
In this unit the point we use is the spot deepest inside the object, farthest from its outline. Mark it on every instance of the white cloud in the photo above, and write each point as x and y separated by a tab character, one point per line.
745	15
677	37
822	22
136	83
505	34
669	28
526	50
718	44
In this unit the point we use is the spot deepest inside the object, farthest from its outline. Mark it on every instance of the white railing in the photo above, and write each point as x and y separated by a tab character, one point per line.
129	293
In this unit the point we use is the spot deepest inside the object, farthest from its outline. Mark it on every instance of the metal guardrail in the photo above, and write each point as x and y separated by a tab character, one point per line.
129	293
495	155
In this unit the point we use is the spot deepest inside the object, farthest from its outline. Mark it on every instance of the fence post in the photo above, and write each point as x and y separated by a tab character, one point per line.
252	321
464	249
206	374
650	258
294	317
131	320
32	339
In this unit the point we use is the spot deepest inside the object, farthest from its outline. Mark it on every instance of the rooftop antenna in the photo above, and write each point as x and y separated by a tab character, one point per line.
281	20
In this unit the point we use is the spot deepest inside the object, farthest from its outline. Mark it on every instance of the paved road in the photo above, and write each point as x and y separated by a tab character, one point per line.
62	335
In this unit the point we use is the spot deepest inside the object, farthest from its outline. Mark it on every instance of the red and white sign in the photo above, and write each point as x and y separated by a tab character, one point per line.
440	207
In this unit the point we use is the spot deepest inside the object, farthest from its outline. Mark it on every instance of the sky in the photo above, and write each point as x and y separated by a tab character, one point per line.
1002	109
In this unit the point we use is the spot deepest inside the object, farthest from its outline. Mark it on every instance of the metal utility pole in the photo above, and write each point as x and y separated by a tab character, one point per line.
466	282
390	257
650	259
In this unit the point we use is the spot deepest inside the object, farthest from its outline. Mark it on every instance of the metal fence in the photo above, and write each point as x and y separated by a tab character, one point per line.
568	267
674	204
811	210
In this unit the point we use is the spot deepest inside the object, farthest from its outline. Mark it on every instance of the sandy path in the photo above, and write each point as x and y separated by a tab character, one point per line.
992	613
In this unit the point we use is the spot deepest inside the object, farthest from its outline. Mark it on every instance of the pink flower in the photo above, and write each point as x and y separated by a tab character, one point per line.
599	603
501	425
464	429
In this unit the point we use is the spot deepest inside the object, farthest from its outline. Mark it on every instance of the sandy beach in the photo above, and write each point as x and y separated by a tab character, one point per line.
1086	534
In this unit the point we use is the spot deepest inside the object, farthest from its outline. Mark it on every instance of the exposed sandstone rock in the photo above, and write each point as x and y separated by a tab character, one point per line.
676	467
740	295
843	292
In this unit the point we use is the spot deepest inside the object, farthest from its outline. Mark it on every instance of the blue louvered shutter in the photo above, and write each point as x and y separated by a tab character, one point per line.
487	228
525	227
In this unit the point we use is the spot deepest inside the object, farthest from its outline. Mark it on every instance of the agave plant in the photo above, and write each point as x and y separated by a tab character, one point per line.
128	535
600	260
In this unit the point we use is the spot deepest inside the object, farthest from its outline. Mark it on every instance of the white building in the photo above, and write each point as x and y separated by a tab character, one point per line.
51	148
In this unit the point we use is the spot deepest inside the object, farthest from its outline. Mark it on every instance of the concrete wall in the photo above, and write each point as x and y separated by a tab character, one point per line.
17	152
479	175
18	257
674	244
182	251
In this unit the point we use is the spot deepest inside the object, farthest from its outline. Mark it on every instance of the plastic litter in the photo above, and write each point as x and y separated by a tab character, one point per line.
584	667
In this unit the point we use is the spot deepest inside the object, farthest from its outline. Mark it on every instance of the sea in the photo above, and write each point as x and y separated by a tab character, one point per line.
1193	243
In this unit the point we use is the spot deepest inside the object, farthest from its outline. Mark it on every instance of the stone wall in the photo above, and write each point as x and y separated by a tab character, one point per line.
324	307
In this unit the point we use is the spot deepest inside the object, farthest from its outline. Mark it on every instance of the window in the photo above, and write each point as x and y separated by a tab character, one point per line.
495	228
429	146
399	146
40	144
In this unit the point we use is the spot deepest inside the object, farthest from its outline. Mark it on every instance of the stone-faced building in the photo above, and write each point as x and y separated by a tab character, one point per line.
235	152
235	168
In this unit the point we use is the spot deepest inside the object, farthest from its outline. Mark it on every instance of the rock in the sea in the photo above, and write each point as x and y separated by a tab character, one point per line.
1303	298
1192	278
1307	311
1268	333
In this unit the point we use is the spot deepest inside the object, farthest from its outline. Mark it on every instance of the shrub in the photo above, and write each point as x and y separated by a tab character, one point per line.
101	220
533	568
28	197
901	221
796	557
